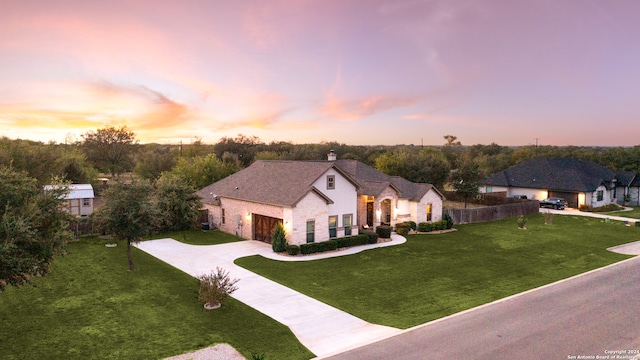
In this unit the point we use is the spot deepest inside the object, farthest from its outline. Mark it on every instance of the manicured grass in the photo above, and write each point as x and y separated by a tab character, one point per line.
92	307
635	213
199	237
432	276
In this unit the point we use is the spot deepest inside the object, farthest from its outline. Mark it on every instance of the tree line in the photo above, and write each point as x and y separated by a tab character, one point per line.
113	151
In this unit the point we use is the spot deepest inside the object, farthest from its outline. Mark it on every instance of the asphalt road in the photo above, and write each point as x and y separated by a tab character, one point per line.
587	316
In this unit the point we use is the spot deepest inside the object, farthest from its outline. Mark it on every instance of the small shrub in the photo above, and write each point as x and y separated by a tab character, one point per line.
305	249
279	240
373	236
384	231
412	224
403	228
256	356
216	287
293	250
425	227
522	222
332	245
585	207
448	220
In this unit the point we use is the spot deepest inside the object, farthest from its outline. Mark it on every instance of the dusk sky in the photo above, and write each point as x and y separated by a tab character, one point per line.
566	72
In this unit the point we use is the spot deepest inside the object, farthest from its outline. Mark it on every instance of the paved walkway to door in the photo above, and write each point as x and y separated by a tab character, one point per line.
321	328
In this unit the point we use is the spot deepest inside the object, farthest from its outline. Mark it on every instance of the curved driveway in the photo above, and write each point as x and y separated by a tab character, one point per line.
321	328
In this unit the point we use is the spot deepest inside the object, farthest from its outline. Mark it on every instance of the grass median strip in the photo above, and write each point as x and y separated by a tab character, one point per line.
432	276
92	306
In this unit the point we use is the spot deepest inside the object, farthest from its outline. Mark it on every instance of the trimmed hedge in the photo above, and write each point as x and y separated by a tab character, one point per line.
384	231
293	250
373	236
605	208
333	244
435	226
403	228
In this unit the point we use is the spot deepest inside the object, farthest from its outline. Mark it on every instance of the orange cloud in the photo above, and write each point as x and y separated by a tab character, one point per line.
86	106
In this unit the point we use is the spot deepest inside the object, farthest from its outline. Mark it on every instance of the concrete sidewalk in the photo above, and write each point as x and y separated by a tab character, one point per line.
321	328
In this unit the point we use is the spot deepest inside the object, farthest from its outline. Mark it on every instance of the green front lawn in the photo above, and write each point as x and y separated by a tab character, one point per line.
92	307
432	276
635	213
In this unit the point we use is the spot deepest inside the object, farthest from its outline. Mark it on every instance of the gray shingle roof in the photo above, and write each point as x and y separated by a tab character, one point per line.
374	181
275	182
554	174
284	183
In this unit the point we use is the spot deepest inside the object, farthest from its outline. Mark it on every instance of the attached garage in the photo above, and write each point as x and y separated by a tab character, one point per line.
571	197
263	227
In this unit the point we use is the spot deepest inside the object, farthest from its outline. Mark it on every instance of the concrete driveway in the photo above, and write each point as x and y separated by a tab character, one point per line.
321	328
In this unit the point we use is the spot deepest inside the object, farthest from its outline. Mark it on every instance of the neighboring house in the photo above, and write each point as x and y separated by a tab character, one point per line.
79	198
315	200
580	182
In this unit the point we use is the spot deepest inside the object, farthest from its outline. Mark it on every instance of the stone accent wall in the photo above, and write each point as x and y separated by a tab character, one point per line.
311	207
436	207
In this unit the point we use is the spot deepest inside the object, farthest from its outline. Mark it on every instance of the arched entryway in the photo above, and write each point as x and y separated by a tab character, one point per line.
385	212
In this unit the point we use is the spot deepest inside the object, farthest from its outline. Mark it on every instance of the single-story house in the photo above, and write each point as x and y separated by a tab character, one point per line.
79	198
580	182
315	200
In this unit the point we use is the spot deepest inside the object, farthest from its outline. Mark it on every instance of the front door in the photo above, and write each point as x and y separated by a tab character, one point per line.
263	227
370	213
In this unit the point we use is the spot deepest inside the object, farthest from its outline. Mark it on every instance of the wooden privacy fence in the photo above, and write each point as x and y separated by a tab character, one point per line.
491	213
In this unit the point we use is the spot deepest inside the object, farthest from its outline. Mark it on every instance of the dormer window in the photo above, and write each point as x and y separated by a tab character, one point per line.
331	182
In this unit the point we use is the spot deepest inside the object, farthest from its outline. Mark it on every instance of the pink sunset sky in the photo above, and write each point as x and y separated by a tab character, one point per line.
566	72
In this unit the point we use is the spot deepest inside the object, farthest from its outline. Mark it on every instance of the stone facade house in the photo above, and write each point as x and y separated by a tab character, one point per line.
580	182
315	200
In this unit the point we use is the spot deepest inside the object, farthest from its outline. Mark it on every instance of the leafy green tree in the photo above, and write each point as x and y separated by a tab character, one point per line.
203	171
73	166
33	227
426	165
465	179
245	147
128	213
111	149
177	203
279	239
153	159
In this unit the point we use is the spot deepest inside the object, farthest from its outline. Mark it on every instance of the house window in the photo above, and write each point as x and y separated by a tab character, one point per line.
333	226
86	202
311	231
224	217
600	195
347	221
429	211
331	182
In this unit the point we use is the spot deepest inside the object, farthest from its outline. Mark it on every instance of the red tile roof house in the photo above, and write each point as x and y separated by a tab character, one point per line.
315	200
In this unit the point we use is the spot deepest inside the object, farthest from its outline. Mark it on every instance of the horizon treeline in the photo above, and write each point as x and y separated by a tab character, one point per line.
200	163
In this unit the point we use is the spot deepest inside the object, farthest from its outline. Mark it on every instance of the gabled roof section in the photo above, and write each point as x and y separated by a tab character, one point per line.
626	178
560	174
275	182
76	191
374	181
